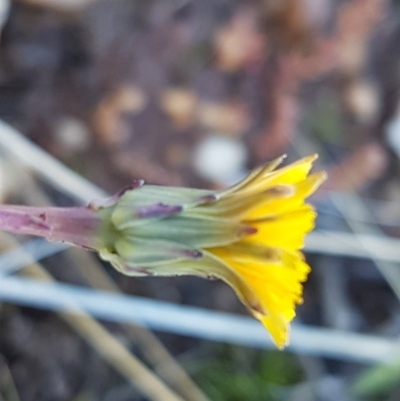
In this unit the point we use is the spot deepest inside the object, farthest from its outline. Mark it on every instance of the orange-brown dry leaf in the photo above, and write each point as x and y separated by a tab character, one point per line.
294	67
358	17
355	23
180	106
225	118
287	22
108	118
239	43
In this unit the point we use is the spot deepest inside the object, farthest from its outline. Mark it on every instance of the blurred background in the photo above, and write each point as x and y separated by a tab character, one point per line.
195	93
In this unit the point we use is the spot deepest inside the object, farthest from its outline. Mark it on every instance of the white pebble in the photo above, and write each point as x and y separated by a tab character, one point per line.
73	134
220	159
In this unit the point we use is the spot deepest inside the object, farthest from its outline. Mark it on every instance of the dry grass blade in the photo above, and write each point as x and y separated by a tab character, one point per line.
8	390
195	322
361	245
355	207
112	350
46	166
155	353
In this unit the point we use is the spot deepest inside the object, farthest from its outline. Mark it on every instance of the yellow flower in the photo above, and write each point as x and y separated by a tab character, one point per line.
248	235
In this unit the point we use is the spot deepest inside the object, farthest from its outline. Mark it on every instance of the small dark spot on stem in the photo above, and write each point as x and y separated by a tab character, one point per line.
158	210
197	254
191	254
208	199
249	230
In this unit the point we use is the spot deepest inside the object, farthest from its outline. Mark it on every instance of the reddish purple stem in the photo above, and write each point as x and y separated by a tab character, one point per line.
76	225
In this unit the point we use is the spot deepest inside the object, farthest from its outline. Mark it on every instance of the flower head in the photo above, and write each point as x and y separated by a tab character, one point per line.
248	236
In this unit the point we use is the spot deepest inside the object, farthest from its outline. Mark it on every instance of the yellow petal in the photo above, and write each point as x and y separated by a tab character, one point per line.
236	206
277	286
278	328
291	174
254	176
285	230
301	190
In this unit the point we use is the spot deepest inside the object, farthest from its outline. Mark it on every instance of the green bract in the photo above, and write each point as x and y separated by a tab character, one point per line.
139	234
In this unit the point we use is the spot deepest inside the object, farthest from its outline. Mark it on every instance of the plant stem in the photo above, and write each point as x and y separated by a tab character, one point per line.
76	225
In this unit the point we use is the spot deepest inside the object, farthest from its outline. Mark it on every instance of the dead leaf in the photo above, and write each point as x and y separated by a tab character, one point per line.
180	106
108	119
